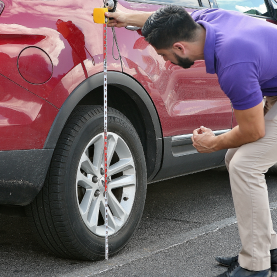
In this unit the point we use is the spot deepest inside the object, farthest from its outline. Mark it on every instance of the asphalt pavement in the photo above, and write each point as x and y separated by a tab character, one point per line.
187	221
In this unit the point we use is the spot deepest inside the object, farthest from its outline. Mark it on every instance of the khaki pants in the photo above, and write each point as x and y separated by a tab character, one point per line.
247	165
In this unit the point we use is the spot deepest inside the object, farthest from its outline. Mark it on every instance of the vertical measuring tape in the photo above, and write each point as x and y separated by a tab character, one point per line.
106	138
99	17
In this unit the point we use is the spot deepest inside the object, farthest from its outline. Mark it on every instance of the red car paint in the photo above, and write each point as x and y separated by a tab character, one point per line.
47	48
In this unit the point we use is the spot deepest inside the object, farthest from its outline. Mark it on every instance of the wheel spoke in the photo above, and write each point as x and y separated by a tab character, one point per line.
93	214
87	165
98	153
112	142
120	166
84	181
122	181
86	202
116	208
111	222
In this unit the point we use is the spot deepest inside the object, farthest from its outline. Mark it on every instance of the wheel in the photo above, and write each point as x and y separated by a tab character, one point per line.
67	215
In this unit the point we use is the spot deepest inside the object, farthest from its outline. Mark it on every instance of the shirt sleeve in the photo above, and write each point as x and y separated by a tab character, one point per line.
240	83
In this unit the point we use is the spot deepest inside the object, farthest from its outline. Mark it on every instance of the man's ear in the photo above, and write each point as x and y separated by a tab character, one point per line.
179	47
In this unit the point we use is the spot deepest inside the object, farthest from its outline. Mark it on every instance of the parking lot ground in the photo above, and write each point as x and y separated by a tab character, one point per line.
187	221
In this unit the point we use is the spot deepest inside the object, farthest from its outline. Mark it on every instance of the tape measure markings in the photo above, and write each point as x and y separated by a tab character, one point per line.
105	138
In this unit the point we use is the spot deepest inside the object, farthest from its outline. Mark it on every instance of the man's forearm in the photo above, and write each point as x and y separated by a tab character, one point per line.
138	19
121	19
251	127
234	138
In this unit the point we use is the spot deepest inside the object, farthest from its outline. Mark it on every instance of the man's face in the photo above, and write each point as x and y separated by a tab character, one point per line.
170	55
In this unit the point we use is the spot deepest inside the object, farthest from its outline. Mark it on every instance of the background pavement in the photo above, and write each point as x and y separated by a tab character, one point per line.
187	221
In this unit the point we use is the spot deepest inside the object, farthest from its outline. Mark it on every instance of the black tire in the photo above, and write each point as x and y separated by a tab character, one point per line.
55	215
272	170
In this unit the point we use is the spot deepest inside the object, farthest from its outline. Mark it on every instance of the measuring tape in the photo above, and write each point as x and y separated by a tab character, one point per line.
106	138
99	17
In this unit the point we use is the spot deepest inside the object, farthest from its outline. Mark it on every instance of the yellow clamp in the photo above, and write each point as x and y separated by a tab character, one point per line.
99	15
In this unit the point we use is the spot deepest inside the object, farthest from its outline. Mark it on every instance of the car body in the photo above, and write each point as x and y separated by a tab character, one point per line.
51	56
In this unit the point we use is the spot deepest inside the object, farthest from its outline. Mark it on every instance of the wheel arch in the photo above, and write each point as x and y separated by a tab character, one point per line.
129	97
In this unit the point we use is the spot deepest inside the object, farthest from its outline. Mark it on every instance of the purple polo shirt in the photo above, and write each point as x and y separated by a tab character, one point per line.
242	51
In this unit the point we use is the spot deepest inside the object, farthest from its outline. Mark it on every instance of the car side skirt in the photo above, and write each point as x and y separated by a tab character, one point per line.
181	158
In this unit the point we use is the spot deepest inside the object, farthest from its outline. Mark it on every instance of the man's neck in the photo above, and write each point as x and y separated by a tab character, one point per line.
199	45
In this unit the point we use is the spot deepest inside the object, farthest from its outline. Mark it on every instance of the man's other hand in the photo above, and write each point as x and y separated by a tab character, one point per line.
204	140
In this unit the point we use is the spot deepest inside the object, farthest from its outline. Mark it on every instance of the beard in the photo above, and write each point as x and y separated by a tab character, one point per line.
183	62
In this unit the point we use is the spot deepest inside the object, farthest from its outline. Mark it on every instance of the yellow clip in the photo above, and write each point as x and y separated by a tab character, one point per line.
99	15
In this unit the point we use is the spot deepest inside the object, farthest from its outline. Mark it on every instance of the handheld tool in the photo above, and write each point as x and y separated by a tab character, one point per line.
99	17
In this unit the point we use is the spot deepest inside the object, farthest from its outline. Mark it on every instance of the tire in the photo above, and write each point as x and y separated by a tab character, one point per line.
273	170
65	221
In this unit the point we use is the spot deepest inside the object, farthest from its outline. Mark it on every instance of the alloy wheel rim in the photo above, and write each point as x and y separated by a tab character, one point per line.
121	184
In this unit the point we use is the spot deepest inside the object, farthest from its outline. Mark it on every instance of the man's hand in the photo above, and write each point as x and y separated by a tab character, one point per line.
119	19
204	140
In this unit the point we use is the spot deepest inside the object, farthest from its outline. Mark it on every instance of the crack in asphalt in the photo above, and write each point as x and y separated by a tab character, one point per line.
175	219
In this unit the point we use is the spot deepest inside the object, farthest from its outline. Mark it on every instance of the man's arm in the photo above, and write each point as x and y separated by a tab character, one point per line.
251	127
121	19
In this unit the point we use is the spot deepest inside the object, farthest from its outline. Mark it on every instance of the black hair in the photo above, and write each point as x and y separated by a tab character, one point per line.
169	25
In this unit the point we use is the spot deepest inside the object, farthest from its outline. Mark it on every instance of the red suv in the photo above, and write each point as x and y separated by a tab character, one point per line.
51	120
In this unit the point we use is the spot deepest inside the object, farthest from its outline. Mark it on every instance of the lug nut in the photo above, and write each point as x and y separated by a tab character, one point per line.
97	193
102	172
94	179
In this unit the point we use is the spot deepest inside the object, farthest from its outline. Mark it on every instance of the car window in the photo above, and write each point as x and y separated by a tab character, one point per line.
255	7
205	3
185	3
213	4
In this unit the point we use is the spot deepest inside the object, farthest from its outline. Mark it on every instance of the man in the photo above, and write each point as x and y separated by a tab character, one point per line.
240	50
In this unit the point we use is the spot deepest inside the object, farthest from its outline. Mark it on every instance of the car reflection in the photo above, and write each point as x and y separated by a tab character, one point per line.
76	40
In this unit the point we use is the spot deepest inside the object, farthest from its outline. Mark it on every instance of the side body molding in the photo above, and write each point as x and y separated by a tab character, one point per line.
134	90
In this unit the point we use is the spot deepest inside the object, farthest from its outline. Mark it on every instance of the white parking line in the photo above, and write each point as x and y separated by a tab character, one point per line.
173	241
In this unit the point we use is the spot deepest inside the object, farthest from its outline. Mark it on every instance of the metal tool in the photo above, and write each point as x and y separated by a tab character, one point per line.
99	17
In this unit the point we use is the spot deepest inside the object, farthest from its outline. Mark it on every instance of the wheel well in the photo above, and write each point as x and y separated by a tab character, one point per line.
135	111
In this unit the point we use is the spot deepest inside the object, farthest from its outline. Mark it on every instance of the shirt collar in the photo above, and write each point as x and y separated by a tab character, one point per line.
209	48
